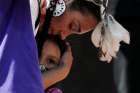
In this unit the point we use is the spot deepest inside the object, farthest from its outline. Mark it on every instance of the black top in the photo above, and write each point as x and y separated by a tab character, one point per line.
88	74
128	8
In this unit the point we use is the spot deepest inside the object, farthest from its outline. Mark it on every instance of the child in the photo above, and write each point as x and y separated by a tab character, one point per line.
55	60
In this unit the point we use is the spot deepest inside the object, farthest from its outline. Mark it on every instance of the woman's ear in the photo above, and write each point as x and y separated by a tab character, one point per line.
75	26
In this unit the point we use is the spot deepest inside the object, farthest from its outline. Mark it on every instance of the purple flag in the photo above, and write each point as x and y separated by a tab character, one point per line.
19	71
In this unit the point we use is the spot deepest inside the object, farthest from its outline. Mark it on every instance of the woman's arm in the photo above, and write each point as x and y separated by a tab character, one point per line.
59	73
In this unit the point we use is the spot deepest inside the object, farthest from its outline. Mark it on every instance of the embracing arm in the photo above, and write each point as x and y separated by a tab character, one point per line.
59	73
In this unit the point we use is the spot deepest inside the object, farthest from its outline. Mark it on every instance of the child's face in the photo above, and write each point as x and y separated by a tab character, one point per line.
50	56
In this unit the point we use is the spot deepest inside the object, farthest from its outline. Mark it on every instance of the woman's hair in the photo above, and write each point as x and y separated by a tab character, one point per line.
53	38
86	8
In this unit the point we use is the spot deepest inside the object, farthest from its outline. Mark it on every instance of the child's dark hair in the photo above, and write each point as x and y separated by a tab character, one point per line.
55	39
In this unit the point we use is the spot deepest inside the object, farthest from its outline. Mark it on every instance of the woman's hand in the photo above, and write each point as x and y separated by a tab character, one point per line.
67	58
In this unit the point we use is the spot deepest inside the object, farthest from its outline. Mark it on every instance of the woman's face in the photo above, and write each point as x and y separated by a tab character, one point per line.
72	22
50	56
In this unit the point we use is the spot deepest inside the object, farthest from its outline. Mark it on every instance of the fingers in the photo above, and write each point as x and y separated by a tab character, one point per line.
67	57
68	47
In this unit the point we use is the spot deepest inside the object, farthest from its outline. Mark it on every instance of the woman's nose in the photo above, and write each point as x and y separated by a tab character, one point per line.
64	34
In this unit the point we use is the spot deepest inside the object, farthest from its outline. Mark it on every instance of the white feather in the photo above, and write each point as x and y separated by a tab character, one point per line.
109	43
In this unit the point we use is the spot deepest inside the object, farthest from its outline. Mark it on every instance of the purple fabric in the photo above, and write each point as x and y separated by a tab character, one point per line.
54	90
19	71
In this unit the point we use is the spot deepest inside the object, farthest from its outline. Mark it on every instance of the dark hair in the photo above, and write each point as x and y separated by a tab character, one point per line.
42	32
86	7
55	39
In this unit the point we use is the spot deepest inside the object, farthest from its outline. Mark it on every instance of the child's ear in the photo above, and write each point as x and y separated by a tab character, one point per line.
75	26
68	1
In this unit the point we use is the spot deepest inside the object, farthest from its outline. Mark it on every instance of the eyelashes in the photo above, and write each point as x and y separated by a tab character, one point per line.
43	68
75	27
50	64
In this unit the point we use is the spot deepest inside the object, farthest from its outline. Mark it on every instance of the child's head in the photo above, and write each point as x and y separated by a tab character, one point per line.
50	51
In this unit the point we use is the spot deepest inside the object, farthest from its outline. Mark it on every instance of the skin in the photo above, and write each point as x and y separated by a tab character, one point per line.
68	23
72	22
56	72
50	55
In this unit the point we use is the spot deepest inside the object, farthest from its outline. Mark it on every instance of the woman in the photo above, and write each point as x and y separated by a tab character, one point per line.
82	16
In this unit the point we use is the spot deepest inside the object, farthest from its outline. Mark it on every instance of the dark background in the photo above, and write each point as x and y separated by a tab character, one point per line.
128	14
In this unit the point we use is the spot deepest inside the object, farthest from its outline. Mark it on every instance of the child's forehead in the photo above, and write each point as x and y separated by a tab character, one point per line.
51	42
